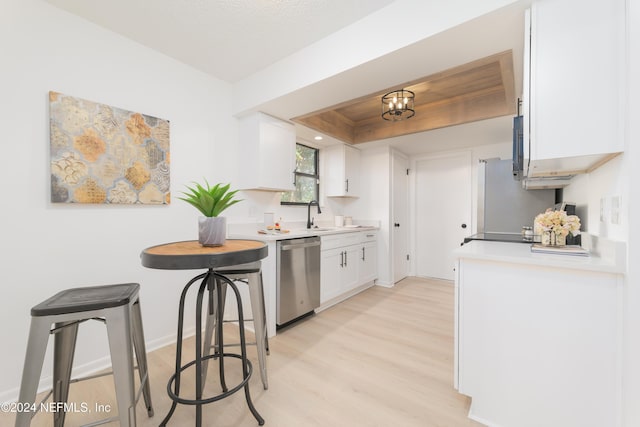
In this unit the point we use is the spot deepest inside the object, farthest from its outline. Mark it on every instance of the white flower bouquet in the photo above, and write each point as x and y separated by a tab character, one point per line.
557	223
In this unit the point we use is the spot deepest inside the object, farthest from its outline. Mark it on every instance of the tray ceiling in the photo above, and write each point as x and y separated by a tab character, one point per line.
478	90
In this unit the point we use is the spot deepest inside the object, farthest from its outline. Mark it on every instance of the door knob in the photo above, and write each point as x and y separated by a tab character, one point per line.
395	224
464	226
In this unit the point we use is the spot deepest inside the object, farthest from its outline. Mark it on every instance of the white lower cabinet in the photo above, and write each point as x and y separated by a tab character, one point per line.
337	273
348	263
537	345
368	261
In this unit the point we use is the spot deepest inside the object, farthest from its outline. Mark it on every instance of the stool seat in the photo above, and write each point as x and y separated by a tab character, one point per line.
86	299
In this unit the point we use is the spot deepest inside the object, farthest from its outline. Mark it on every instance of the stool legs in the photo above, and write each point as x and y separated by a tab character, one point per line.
210	325
256	296
120	343
214	325
214	284
66	334
175	393
243	348
36	349
141	356
221	294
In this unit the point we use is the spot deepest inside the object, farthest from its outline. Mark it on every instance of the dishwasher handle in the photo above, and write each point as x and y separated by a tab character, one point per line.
291	246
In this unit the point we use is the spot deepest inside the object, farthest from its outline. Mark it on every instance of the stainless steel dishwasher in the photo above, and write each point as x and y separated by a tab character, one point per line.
298	278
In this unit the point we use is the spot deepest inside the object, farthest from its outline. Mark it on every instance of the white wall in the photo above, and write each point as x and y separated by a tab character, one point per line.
631	320
600	186
374	203
47	247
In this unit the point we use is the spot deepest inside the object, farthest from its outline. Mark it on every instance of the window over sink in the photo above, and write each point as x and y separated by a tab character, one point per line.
306	177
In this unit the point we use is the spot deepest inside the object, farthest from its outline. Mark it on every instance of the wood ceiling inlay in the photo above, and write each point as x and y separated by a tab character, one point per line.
479	90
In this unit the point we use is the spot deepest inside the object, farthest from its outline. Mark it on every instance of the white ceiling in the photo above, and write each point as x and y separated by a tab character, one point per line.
229	39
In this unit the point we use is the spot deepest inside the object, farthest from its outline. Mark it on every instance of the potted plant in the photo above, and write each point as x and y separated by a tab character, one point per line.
211	201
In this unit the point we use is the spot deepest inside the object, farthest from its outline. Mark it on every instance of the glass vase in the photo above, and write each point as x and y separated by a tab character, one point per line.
551	238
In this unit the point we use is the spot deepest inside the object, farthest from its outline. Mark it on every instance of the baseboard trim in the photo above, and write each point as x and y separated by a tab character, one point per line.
90	368
385	284
343	297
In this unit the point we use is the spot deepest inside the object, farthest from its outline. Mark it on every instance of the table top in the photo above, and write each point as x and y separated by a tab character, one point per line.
189	255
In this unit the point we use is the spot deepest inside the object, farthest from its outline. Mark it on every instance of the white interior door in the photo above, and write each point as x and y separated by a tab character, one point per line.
443	212
400	217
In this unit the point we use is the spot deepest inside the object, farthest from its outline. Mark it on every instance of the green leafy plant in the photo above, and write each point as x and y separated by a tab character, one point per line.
211	201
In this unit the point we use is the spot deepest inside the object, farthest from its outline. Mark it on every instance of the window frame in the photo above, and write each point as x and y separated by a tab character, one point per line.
307	175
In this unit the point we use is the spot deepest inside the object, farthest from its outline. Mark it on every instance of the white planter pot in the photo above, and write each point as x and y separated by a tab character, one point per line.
212	231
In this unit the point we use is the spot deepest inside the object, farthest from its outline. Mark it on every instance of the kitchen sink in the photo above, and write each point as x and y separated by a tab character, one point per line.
315	230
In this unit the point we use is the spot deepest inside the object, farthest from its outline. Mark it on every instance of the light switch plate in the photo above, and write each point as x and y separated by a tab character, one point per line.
615	210
603	209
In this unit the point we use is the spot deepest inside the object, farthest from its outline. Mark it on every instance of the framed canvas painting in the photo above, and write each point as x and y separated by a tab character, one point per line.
103	154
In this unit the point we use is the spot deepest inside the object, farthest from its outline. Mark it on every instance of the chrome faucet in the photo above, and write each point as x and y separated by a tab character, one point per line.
309	220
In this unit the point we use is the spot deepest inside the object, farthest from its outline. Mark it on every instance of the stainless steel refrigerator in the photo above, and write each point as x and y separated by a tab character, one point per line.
503	205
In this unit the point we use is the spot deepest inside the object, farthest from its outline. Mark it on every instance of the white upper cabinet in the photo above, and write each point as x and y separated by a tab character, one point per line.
267	153
342	170
574	85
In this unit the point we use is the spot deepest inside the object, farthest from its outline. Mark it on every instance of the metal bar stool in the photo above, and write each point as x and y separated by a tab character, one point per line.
189	255
251	274
210	281
119	307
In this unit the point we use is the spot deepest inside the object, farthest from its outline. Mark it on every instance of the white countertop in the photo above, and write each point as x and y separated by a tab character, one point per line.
295	233
609	258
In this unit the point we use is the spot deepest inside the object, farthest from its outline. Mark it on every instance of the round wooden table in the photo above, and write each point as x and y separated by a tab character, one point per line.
190	255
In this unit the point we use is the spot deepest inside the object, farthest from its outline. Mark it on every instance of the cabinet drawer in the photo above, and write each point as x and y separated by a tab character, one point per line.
340	240
368	236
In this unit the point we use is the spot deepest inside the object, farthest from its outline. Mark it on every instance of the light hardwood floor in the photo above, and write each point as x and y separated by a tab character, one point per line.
382	358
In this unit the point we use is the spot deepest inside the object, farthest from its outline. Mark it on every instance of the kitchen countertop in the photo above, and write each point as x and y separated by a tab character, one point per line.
297	233
502	237
605	257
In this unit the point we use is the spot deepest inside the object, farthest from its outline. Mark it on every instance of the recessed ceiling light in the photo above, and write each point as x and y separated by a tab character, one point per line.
318	138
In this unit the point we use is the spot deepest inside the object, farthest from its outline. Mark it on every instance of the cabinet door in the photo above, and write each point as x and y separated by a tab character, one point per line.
350	268
342	169
351	171
368	265
569	353
576	72
278	151
331	266
267	151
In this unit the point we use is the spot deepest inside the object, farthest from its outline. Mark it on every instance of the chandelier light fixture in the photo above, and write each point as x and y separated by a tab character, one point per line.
398	105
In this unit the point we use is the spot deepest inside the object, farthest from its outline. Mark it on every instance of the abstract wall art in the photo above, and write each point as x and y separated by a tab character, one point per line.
103	154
